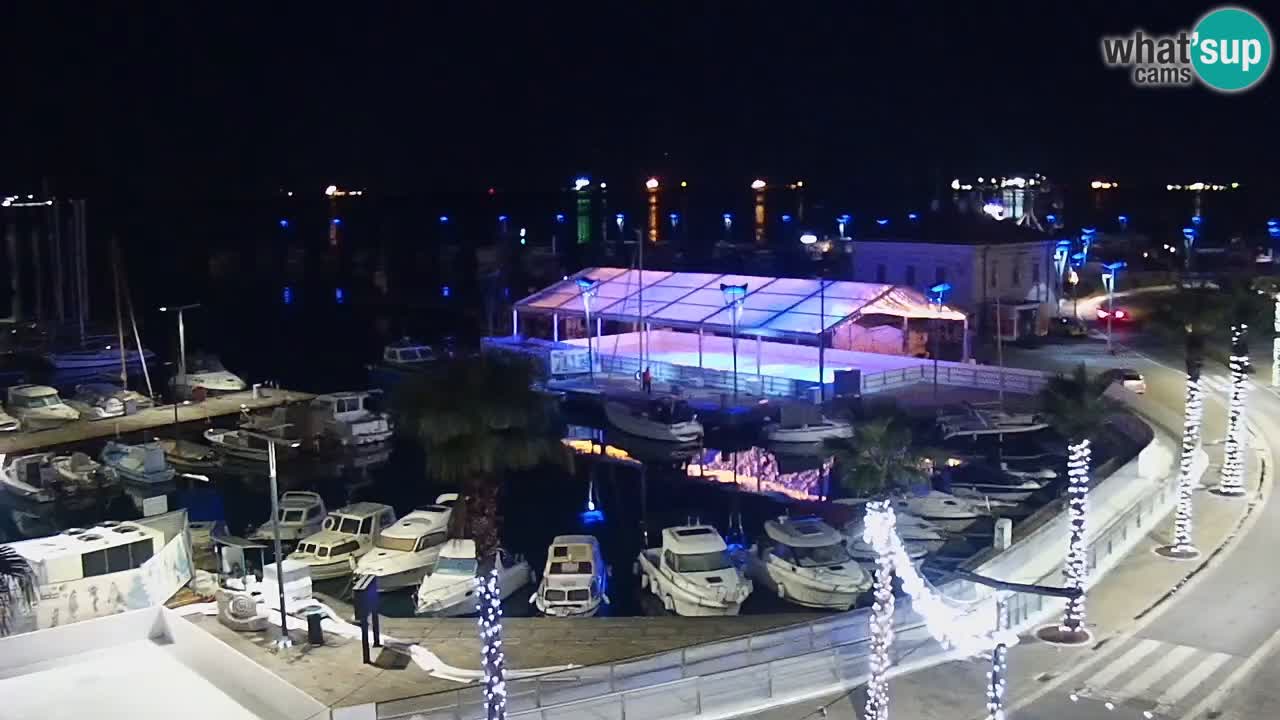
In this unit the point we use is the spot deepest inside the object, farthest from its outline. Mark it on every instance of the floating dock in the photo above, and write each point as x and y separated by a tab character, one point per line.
148	419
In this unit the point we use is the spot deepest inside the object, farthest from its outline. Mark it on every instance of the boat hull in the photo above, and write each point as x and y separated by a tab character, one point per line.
807	435
684	432
402	580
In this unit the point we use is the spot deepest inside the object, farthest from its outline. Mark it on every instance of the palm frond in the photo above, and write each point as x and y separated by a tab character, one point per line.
17	585
878	458
1075	404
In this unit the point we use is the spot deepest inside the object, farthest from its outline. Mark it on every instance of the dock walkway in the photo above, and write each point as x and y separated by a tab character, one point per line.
147	419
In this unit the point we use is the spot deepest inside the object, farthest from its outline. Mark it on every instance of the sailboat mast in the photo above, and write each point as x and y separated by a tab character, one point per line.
640	304
137	337
115	273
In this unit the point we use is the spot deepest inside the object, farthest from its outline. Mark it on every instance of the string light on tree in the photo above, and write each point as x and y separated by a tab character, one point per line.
1183	547
1275	342
998	677
1071	630
489	605
877	706
1233	450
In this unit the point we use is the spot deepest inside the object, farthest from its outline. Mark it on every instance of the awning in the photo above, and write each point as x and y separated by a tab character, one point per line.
772	306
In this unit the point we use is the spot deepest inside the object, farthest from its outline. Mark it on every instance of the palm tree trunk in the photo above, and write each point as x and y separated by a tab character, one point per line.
1233	450
482	521
999	679
1076	567
877	706
1275	342
1192	413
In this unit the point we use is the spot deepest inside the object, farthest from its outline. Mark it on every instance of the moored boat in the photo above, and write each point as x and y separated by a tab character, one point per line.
664	419
574	579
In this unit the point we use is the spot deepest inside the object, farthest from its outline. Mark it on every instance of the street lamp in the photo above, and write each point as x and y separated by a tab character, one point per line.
733	297
1077	261
841	223
182	337
587	287
1109	281
272	441
937	294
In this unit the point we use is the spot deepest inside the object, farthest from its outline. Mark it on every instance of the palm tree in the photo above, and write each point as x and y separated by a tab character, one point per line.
479	420
17	585
1075	407
877	459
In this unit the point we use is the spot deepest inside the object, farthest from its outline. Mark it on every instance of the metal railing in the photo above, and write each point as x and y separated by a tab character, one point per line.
1016	380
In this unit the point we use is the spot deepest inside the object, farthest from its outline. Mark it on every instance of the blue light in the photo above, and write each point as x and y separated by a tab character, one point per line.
559	217
882	221
728	216
1273	222
1089	231
444	291
619	216
845	218
506	292
786	218
591	517
1196	219
284	223
339	296
444	219
1051	218
288	295
502	218
1123	219
913	216
337	221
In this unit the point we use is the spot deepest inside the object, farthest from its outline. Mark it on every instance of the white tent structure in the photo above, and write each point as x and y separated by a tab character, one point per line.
805	310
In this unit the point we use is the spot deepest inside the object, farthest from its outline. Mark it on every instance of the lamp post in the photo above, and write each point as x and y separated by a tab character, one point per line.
1109	280
808	239
587	287
1061	253
733	298
182	335
937	294
272	441
1077	261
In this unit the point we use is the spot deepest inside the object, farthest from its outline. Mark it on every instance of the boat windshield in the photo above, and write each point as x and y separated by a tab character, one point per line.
703	562
294	516
349	526
38	401
822	555
206	364
395	543
456	566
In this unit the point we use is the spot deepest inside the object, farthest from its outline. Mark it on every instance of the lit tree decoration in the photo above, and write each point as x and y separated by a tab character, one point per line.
1075	569
1275	342
489	605
1233	451
880	520
1183	546
998	678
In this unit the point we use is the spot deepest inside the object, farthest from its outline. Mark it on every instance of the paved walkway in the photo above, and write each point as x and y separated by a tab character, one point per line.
155	417
335	675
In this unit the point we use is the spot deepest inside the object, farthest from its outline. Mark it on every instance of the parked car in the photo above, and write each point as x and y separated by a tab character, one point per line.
1133	381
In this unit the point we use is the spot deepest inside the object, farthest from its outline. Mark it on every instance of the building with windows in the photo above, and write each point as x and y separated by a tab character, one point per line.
987	262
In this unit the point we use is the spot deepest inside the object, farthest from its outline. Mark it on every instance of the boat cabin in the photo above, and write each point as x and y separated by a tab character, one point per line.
346	406
33	397
417	531
670	411
804	542
407	353
575	570
346	534
694	548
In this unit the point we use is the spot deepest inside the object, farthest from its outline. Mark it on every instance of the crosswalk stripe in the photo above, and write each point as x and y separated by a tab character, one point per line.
1152	675
1113	669
1190	681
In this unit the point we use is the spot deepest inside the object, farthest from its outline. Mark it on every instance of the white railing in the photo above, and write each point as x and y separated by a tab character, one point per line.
986	377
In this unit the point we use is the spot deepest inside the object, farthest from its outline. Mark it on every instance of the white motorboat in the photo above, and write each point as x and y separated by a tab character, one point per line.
665	420
132	399
801	423
407	354
345	535
404	553
94	402
347	418
38	407
450	590
104	356
949	512
981	481
574	579
301	515
31	477
238	444
920	538
144	463
207	373
1039	473
979	419
9	423
693	573
805	561
81	470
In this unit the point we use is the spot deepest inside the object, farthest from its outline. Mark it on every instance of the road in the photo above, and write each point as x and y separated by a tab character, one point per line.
1180	662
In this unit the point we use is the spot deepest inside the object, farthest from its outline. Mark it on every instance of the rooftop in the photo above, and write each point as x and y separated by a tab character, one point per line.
771	306
693	539
361	509
949	228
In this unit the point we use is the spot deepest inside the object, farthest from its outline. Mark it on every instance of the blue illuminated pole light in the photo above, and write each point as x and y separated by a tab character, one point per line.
284	223
587	288
937	295
1109	281
734	295
675	219
841	223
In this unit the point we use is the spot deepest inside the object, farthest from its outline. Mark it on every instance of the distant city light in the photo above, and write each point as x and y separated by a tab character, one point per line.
288	295
580	183
290	193
444	291
559	217
757	184
337	221
338	295
684	183
284	223
994	209
493	191
331	190
603	186
786	218
913	216
444	219
808	238
651	183
502	218
882	221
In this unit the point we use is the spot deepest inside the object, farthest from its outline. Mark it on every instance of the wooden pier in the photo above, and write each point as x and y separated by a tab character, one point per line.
148	419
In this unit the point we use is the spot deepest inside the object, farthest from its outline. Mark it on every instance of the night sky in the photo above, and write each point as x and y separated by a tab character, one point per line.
164	104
